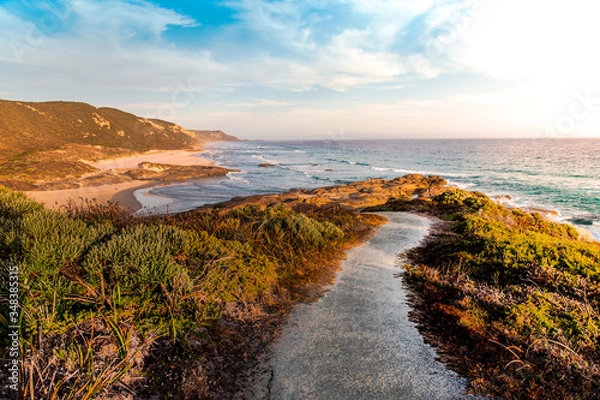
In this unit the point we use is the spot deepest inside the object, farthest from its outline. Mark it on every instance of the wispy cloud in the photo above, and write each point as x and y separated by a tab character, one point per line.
122	44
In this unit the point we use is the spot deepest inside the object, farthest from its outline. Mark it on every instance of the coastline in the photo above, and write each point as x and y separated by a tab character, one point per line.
413	193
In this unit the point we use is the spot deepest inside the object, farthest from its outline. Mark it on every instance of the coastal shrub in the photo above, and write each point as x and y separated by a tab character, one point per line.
93	213
16	204
141	257
44	244
229	271
300	231
247	277
13	206
461	199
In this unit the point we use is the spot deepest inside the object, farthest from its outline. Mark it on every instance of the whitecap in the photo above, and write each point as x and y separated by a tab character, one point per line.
264	159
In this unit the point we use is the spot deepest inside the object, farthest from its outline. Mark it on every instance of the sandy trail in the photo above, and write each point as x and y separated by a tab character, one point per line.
357	341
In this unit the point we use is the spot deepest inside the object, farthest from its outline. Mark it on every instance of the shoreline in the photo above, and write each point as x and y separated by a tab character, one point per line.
123	192
127	199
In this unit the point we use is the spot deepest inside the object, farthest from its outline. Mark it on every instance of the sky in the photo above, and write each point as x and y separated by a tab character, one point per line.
316	69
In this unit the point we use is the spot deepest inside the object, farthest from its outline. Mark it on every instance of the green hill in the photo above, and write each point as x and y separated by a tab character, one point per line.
44	141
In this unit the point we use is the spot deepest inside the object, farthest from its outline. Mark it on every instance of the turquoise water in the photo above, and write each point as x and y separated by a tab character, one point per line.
558	174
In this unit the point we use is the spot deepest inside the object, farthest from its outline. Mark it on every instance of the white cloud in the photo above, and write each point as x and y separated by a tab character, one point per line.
105	44
124	19
346	59
346	64
394	8
120	44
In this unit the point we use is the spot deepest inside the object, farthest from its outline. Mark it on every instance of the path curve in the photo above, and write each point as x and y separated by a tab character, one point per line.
357	341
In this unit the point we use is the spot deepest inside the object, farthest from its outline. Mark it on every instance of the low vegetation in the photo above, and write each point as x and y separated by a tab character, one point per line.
114	305
512	299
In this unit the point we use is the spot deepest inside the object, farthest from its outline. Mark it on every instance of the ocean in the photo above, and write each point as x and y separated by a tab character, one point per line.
557	174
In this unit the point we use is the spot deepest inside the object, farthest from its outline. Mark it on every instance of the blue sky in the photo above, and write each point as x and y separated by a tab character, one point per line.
315	69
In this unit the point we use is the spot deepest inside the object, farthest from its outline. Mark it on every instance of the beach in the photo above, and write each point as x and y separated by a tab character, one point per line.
123	192
174	157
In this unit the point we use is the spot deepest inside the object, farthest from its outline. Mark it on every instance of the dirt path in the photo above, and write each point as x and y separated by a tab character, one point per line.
357	341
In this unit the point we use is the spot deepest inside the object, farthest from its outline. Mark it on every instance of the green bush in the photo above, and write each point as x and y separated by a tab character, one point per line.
460	199
301	232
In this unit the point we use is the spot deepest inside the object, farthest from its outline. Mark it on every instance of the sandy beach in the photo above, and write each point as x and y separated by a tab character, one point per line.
175	157
122	193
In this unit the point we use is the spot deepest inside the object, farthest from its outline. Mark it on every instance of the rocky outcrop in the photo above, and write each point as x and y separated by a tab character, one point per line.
356	195
170	173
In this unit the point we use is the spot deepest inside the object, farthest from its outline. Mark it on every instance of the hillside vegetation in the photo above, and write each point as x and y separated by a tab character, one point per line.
43	141
177	305
214	136
512	298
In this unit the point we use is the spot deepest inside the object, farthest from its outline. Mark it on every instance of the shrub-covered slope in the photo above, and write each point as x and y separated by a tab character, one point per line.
113	303
513	298
50	125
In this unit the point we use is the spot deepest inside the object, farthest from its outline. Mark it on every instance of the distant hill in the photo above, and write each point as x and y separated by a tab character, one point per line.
40	141
215	136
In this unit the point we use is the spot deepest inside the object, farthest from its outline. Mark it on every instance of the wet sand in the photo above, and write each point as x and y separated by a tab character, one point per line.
357	342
